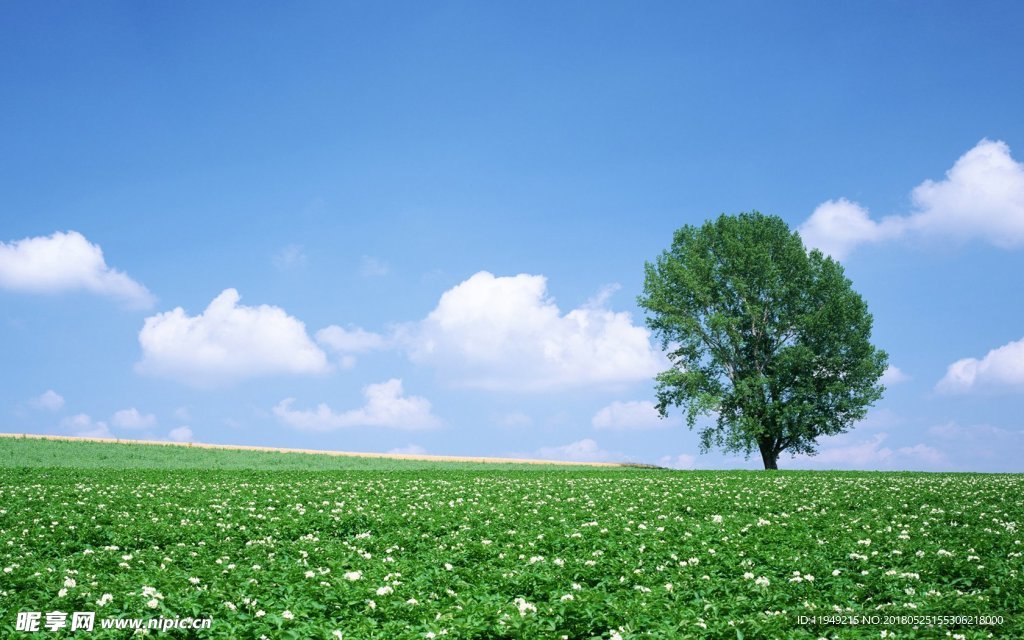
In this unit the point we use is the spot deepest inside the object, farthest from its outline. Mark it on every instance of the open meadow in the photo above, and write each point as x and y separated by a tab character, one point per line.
302	546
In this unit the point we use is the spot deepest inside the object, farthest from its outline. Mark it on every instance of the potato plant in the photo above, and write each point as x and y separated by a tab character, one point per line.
515	554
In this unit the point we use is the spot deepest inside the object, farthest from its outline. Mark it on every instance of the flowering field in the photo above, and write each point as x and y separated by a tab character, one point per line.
517	554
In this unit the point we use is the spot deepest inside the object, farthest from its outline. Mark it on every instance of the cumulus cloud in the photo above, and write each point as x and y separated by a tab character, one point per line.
841	452
83	426
681	461
585	450
386	406
227	342
66	261
981	197
180	434
49	400
894	375
838	226
132	419
1000	368
627	416
346	342
506	333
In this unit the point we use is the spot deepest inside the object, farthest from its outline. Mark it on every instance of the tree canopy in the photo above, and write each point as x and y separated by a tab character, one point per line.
765	336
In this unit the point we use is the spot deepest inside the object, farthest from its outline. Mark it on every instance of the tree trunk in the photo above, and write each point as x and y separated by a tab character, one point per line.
768	454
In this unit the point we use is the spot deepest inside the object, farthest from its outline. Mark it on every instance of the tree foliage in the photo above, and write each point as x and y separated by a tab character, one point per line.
767	336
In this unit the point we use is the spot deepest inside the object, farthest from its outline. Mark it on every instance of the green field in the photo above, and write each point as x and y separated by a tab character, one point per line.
321	550
33	452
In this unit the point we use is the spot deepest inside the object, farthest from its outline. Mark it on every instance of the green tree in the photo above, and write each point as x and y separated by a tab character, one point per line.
767	336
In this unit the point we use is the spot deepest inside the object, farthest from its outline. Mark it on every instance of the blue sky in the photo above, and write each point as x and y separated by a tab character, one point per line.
422	226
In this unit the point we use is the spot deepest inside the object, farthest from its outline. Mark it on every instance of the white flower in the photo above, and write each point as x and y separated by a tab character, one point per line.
836	572
231	606
762	581
287	615
748	576
153	603
194	580
567	596
261	613
716	519
310	574
104	600
70	583
353	575
448	567
412	601
63	592
385	590
524	607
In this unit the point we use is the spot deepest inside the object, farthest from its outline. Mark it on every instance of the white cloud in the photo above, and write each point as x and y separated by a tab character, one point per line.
385	407
371	267
922	453
1001	367
132	419
289	257
66	261
409	450
585	450
346	342
180	434
681	461
83	426
627	416
840	452
227	342
894	375
182	413
506	333
837	226
49	400
981	197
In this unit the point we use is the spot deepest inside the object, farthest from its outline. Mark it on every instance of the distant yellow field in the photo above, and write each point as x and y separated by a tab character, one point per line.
351	454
